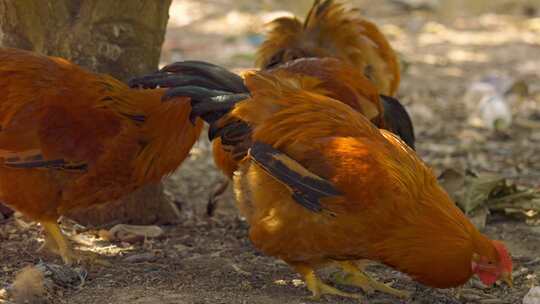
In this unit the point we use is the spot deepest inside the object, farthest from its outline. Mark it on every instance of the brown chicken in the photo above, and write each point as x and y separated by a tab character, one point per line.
319	184
332	30
72	139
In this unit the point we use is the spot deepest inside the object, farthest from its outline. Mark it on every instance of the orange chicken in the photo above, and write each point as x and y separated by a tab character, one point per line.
73	139
320	184
332	30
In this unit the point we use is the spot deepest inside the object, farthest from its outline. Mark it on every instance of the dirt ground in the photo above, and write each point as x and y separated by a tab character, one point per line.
210	260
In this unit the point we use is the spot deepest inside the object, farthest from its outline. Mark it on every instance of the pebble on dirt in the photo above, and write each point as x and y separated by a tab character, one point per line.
533	296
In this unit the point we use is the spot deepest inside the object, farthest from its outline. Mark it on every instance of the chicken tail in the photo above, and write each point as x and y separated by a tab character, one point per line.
213	90
192	72
316	10
397	120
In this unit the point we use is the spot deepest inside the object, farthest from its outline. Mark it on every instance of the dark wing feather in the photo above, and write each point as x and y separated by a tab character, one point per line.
37	162
307	188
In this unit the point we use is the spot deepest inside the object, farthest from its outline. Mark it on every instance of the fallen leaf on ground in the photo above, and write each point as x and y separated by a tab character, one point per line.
478	194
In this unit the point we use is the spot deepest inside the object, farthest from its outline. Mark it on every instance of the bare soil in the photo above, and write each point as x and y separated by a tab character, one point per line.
210	260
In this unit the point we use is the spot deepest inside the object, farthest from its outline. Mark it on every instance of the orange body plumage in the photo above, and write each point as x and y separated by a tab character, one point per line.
390	207
71	139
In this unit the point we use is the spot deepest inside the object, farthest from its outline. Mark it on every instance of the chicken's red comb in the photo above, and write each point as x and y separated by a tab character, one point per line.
504	256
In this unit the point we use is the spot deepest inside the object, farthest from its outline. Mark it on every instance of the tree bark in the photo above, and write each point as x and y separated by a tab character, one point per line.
121	38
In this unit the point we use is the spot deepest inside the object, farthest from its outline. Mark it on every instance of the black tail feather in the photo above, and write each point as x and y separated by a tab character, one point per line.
213	90
226	80
398	120
216	107
197	73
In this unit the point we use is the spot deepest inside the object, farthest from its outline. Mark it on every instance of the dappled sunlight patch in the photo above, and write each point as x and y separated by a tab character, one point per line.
182	13
437	33
233	22
531	66
452	71
459	55
236	22
533	24
293	282
108	250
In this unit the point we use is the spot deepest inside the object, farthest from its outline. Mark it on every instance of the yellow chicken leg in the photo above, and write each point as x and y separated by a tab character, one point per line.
62	244
354	276
49	243
317	287
56	242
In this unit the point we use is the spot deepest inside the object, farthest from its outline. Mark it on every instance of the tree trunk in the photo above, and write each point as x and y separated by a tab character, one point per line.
121	38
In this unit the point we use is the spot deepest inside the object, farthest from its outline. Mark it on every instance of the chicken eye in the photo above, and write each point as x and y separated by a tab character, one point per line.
275	60
369	71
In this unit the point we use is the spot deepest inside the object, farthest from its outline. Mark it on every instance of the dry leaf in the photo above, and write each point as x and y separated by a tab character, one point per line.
478	190
476	195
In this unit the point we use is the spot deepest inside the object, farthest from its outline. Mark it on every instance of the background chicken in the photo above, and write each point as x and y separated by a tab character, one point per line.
320	184
71	139
332	30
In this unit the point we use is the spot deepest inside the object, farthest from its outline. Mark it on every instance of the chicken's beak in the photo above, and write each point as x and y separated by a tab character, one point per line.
507	278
